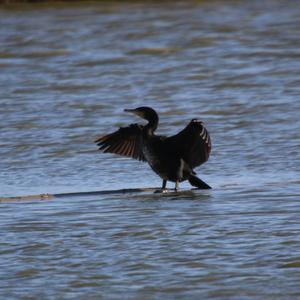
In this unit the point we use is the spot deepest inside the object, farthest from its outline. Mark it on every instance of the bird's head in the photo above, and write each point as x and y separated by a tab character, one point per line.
144	112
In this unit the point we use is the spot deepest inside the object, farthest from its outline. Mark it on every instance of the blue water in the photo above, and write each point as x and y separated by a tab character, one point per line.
67	71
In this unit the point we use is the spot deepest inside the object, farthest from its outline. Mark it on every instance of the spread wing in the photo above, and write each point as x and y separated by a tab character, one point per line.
126	141
193	143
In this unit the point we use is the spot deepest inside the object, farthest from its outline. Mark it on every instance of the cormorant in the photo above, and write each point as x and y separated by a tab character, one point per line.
172	158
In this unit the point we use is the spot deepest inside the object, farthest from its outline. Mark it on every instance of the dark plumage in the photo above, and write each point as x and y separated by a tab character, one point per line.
172	158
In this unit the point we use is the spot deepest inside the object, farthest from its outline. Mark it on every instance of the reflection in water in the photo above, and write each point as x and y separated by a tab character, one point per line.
67	73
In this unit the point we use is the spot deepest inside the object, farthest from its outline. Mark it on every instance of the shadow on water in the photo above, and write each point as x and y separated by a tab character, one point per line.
171	196
133	193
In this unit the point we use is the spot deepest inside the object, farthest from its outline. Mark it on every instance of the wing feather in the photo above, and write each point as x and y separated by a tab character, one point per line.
126	142
130	149
125	148
119	149
192	144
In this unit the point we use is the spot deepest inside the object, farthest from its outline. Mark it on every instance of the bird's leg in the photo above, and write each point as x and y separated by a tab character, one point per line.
176	185
163	188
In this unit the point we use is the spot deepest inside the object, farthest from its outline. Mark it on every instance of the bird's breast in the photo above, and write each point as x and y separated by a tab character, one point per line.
150	155
155	157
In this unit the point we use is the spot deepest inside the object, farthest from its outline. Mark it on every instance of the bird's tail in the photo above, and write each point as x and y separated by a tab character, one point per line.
197	182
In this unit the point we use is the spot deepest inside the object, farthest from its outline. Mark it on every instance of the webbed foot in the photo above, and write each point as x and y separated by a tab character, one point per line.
161	191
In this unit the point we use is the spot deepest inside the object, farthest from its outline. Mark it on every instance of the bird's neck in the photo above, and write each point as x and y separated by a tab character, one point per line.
151	126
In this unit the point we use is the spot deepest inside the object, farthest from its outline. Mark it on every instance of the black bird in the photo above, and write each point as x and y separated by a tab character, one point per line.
172	158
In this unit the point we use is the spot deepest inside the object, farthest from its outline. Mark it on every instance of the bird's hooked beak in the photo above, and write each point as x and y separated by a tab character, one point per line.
134	111
129	110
